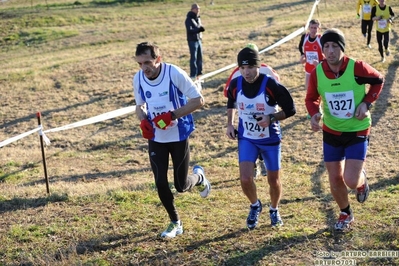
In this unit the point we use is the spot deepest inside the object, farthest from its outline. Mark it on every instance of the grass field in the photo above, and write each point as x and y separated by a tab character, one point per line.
75	60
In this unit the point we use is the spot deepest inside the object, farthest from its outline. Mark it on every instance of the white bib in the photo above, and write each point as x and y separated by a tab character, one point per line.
157	108
341	104
311	56
366	9
382	23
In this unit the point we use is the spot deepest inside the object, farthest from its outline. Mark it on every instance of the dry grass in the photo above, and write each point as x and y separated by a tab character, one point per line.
72	63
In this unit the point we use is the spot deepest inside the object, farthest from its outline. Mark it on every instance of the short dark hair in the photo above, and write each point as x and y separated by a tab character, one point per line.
315	21
143	47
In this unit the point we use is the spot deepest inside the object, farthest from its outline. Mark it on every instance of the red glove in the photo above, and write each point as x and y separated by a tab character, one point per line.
163	120
146	129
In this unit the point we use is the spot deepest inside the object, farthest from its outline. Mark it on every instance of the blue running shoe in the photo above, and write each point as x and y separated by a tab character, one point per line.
253	216
275	219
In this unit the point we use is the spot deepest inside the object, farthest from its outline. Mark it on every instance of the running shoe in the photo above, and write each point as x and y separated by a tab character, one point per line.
275	218
369	46
205	184
173	230
363	191
344	221
382	59
253	216
387	52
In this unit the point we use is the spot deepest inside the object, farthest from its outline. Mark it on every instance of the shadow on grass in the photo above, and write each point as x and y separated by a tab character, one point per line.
383	184
325	199
285	6
271	246
115	241
88	176
29	203
107	243
103	244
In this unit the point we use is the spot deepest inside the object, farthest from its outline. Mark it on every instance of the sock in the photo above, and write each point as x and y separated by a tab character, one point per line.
273	209
256	204
347	210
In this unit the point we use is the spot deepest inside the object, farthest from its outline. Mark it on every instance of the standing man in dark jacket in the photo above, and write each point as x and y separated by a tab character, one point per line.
194	30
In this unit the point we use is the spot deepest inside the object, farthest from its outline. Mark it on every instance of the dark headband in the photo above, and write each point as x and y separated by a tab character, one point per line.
333	37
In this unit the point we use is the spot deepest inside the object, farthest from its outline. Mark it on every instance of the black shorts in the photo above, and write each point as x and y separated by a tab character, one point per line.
346	139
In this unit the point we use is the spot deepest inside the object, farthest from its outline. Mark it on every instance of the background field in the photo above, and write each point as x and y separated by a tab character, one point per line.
74	60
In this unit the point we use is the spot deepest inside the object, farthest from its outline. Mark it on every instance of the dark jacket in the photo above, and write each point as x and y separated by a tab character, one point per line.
193	25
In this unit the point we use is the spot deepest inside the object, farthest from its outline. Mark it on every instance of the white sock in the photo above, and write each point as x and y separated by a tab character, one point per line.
256	204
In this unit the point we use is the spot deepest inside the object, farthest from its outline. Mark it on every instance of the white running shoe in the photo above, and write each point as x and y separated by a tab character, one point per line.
205	183
344	221
173	230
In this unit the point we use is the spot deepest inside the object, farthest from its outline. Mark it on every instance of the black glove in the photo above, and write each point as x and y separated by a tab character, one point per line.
201	29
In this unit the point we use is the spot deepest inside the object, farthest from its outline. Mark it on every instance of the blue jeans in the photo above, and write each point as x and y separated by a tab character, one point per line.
195	58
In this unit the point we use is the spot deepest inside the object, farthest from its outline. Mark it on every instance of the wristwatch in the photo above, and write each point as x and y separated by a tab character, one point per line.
272	118
369	105
173	116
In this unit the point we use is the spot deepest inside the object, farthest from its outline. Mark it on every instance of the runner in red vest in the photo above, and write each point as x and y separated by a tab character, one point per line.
310	49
